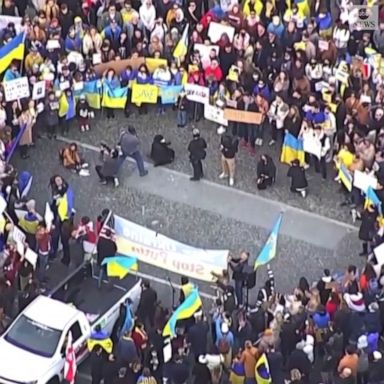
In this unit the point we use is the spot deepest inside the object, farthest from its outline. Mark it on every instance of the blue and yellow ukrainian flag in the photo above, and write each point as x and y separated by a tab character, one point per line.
269	250
92	93
345	177
120	266
262	372
184	311
14	50
371	198
128	321
100	338
181	48
292	149
65	205
114	97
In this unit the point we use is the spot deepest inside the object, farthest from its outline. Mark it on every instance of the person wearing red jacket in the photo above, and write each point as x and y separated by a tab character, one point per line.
214	71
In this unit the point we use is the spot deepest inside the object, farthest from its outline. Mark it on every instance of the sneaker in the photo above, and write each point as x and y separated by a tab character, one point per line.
231	181
84	172
223	175
354	215
116	181
87	127
272	142
82	129
303	194
260	142
145	173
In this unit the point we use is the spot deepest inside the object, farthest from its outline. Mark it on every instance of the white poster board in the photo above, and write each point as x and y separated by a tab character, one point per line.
312	144
216	30
16	89
3	204
5	20
215	114
31	256
18	235
364	180
205	51
48	216
38	91
197	93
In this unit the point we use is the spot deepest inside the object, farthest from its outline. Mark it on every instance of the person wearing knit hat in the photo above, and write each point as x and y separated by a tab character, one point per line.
197	153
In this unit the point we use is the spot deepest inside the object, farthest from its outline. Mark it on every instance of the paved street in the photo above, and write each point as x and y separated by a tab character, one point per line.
315	232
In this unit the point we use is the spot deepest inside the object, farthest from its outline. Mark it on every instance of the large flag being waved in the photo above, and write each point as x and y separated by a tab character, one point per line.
292	149
184	311
70	366
181	48
120	266
262	372
14	50
128	322
371	198
269	250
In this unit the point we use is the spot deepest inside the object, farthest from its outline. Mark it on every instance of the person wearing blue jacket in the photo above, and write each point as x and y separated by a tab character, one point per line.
143	77
72	42
112	32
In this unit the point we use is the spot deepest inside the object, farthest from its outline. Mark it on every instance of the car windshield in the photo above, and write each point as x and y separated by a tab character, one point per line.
33	337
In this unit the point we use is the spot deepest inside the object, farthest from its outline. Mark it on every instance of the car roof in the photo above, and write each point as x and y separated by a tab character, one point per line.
51	313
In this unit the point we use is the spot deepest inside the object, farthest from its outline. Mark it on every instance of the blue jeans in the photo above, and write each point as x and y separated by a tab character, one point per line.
137	156
43	262
181	118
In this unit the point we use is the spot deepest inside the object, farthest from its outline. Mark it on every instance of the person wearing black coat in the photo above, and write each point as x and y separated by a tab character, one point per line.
97	364
266	172
106	247
161	153
197	337
289	337
367	228
275	360
147	304
376	368
197	152
299	360
298	180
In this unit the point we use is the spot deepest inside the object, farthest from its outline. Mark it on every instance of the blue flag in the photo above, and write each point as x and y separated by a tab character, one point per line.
269	250
128	322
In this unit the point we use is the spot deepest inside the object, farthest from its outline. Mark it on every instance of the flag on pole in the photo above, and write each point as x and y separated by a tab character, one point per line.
269	250
181	48
13	50
120	266
70	366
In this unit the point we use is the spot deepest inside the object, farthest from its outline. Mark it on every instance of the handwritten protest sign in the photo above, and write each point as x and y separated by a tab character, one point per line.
197	93
215	114
169	94
216	30
242	116
38	91
16	89
119	65
153	64
144	93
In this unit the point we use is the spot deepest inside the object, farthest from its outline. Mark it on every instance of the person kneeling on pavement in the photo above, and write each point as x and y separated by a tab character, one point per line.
108	170
161	153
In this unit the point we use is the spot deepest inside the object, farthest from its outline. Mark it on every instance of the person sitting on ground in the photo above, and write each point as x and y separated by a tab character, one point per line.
161	153
266	172
71	159
299	182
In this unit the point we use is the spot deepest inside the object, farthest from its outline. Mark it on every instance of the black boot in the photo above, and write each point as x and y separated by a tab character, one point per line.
365	250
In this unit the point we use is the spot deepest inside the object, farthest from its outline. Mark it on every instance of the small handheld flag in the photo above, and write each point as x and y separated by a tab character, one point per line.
269	250
120	266
181	48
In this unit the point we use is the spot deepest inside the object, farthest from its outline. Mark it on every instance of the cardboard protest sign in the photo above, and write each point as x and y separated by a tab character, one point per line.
242	116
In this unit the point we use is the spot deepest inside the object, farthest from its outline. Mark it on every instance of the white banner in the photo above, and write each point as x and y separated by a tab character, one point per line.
215	114
364	180
5	20
16	89
38	91
312	144
216	30
197	93
160	251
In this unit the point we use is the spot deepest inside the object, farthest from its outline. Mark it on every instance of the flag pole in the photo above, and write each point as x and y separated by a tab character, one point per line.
22	61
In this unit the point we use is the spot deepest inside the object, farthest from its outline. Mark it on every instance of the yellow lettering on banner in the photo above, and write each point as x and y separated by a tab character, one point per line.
144	93
171	261
153	64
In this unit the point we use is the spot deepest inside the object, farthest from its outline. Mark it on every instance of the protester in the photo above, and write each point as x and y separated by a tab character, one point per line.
197	153
161	153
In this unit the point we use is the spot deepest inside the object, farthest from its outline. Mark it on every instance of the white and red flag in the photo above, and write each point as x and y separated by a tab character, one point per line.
70	366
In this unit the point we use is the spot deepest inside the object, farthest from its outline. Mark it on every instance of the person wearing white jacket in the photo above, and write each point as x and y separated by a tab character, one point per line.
314	72
147	14
341	36
162	78
277	114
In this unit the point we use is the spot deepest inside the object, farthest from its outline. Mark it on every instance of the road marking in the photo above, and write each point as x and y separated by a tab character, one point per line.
282	206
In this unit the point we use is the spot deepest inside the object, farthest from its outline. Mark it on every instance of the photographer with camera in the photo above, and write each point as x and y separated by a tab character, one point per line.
108	170
129	146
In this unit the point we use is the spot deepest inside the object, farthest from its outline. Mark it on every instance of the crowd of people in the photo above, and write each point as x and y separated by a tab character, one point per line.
312	73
